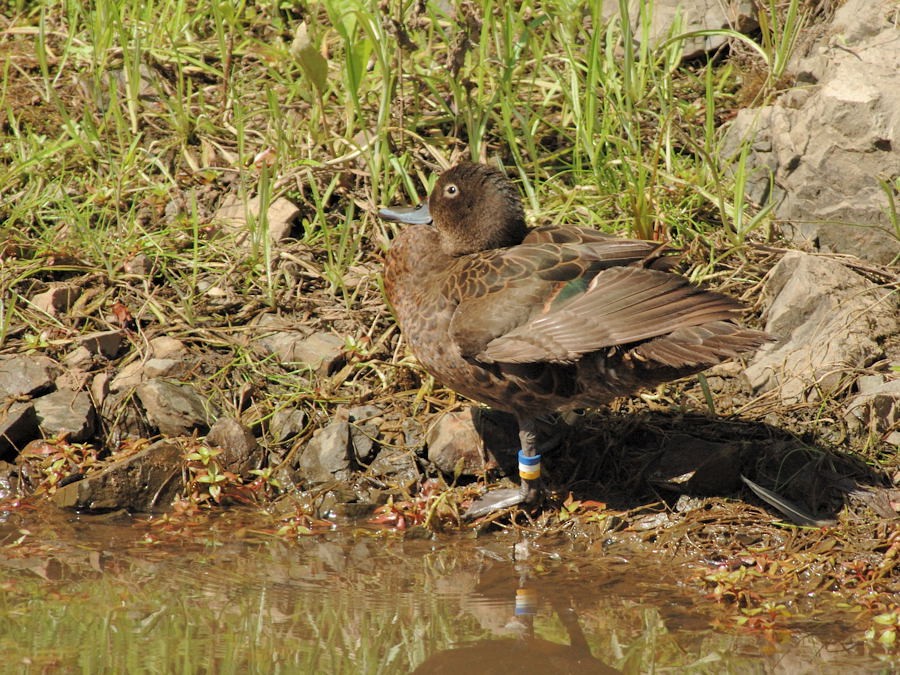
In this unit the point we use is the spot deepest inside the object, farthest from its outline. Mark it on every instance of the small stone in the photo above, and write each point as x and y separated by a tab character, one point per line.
241	450
128	378
165	347
138	265
233	215
100	388
175	409
326	457
66	412
57	299
165	368
286	424
396	464
364	426
80	357
104	343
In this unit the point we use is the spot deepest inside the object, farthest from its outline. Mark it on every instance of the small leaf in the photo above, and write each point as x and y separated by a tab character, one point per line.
314	65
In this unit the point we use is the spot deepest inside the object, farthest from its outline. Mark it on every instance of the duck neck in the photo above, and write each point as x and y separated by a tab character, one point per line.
413	261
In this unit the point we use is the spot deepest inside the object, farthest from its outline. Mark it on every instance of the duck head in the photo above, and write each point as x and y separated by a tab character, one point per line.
474	208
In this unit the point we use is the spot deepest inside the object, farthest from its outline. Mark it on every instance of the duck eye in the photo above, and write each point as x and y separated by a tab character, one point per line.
451	190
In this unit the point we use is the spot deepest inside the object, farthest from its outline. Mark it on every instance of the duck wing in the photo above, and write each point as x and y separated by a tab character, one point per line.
651	254
499	295
620	306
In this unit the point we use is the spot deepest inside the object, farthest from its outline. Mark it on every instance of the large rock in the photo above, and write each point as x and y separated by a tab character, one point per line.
832	141
471	441
693	15
147	481
26	375
829	321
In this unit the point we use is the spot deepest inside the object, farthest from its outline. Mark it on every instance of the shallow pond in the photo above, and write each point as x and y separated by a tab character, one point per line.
116	594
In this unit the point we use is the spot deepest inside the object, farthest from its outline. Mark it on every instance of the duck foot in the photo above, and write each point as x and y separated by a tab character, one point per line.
498	500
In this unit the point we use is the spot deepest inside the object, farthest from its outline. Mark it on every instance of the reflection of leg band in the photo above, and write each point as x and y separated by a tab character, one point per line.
526	601
529	467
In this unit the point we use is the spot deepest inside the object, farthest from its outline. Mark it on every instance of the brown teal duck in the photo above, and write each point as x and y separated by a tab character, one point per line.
535	320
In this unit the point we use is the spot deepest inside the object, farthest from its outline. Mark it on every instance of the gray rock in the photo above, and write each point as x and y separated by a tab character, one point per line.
57	299
287	423
829	321
327	455
104	343
175	409
241	450
80	357
139	265
128	377
365	422
166	368
398	465
320	352
165	347
147	481
467	442
876	409
66	412
830	144
695	15
26	375
123	418
18	426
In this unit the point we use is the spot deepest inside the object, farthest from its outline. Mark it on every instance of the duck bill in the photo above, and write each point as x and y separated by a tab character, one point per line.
411	215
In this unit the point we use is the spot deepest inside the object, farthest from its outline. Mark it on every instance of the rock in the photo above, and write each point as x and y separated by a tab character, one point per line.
128	377
147	481
123	419
18	425
365	422
280	216
104	343
241	450
165	347
287	423
57	299
327	455
321	352
175	409
400	466
73	379
100	388
695	15
26	375
829	144
468	442
172	368
139	265
66	412
876	409
829	321
80	357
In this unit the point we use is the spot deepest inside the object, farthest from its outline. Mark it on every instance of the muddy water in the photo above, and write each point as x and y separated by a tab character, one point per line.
114	594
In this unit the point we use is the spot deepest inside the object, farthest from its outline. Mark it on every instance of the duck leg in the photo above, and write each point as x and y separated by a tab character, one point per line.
530	490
